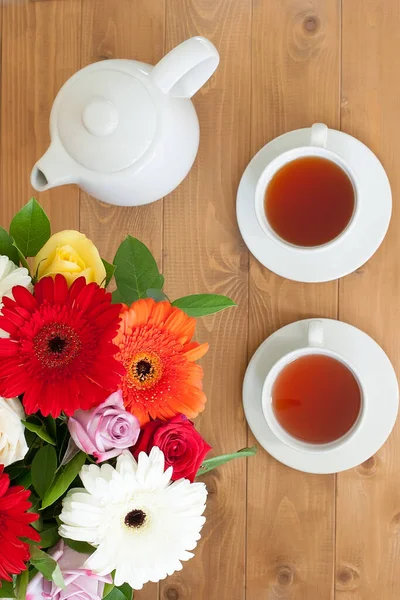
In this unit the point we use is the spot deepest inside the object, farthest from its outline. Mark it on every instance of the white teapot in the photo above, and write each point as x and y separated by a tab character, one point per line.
124	131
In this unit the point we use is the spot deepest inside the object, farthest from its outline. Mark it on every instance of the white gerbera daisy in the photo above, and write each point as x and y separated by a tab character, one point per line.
140	523
10	276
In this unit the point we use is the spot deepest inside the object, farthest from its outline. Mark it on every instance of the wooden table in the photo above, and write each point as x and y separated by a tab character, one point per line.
272	533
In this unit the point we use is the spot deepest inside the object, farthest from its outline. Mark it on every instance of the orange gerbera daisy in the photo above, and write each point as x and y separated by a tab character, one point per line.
162	379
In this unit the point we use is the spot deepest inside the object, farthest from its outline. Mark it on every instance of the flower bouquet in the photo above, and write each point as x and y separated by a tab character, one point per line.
98	453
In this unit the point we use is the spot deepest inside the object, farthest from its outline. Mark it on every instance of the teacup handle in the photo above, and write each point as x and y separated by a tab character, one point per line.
315	333
319	135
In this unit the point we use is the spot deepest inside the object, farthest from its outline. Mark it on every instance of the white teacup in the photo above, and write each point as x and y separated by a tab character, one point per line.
315	346
317	148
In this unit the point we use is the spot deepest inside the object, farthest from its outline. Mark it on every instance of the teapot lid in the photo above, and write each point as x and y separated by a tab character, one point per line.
106	119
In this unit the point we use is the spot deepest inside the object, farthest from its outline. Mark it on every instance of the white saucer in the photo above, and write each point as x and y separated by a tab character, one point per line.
375	371
349	253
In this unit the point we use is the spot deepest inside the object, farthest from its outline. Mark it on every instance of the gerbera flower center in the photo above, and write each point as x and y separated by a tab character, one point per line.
144	370
135	518
56	345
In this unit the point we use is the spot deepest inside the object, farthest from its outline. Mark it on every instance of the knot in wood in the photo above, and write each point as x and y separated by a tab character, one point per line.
311	24
105	55
395	522
347	578
172	594
284	576
368	467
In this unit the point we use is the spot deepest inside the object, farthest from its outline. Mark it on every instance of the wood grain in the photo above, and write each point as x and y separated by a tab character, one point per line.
368	504
40	50
296	76
204	253
284	64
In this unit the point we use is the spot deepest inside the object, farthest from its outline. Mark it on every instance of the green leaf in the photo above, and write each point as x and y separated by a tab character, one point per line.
217	461
49	537
7	248
40	430
58	578
81	547
126	589
110	269
25	479
38	524
44	467
63	480
157	295
21	585
35	501
115	594
31	439
32	573
22	258
51	426
47	566
7	589
123	592
200	305
108	587
30	228
16	469
136	270
117	297
64	436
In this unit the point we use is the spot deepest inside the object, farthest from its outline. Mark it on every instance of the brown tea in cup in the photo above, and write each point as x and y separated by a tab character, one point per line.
316	399
310	201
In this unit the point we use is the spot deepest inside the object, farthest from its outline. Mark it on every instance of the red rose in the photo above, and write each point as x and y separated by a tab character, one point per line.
183	447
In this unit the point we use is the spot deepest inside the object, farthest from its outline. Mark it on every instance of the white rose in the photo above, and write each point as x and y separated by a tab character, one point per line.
13	445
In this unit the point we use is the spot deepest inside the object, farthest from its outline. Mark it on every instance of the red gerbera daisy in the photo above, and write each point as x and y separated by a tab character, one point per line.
14	524
60	353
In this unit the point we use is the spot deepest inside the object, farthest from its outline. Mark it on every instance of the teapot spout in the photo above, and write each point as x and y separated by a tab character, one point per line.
55	168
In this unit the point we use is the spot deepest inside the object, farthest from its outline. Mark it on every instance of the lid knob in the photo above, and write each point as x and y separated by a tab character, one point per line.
100	117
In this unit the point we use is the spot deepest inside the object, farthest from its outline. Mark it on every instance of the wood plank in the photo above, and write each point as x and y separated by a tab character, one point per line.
368	503
41	49
296	75
204	253
124	29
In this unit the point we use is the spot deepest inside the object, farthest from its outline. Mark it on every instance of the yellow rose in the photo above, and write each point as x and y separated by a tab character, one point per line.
73	255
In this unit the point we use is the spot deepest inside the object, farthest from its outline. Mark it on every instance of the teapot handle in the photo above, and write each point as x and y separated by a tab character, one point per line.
183	71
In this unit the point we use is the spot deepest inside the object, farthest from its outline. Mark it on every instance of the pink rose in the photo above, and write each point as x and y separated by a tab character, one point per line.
80	583
106	430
